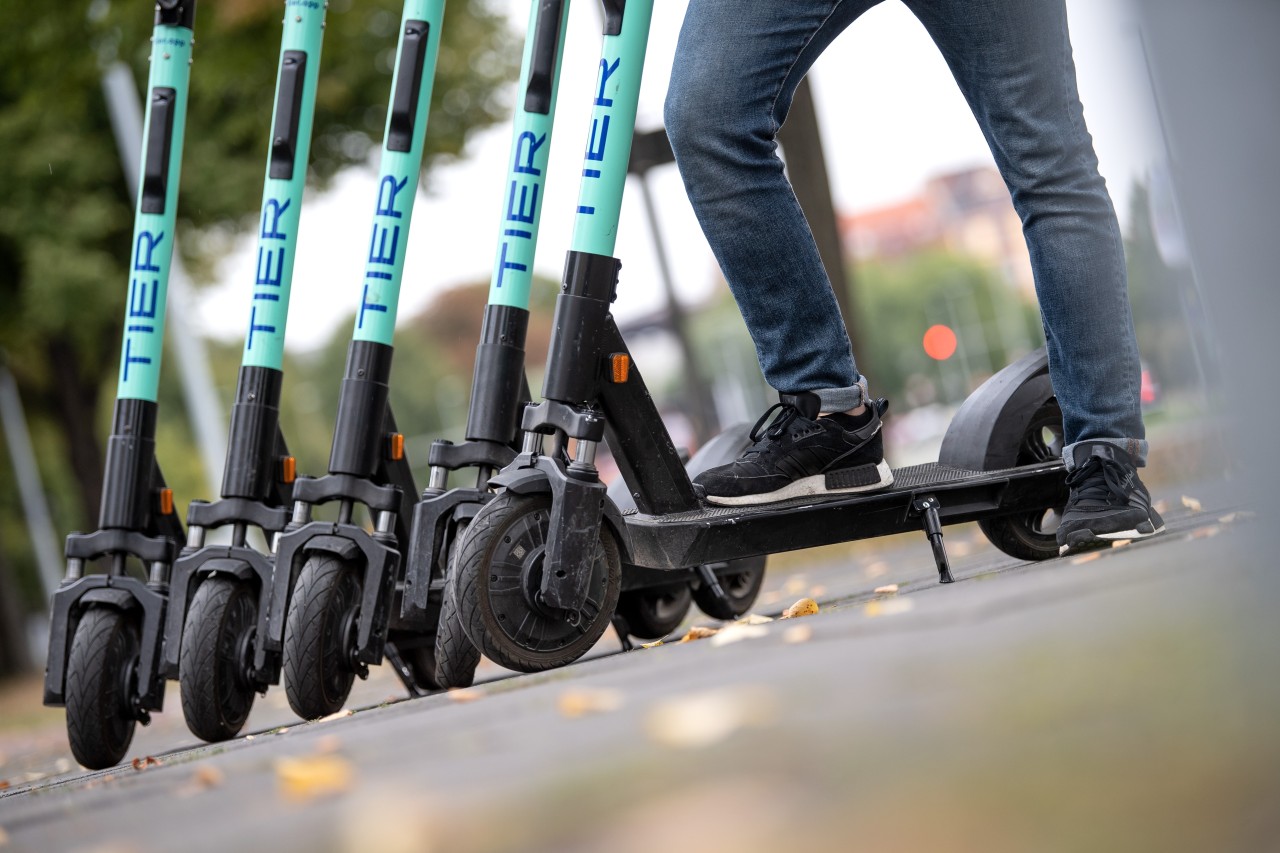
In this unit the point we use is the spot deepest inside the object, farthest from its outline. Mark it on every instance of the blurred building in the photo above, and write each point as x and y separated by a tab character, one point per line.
967	212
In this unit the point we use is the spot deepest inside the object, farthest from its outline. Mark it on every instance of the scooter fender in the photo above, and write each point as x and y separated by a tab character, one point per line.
244	564
534	481
988	429
123	593
427	537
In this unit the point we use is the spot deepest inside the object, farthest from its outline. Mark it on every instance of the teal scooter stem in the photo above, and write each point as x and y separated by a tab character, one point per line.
218	591
136	520
498	389
338	572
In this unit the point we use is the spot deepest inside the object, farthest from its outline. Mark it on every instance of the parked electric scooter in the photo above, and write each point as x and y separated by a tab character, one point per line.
499	389
218	590
538	571
334	582
106	629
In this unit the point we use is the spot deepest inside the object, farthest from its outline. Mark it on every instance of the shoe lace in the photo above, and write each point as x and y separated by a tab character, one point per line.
786	414
1100	480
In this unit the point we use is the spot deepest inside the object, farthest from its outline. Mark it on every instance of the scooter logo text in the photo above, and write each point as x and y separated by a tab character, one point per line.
522	200
597	145
144	292
384	246
273	243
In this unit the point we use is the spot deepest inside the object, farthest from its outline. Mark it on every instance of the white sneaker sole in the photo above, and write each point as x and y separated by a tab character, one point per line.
1119	536
803	488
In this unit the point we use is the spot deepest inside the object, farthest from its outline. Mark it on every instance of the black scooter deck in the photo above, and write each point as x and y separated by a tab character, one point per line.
717	533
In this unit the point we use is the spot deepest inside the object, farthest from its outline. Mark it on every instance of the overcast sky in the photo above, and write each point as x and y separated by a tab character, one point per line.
890	113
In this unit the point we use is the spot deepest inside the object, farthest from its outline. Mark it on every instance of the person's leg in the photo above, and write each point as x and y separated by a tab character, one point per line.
737	66
1012	60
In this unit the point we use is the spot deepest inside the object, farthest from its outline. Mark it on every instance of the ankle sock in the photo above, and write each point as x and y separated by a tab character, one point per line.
852	422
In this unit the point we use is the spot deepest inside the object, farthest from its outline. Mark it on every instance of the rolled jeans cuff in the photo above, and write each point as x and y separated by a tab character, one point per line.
843	399
1135	447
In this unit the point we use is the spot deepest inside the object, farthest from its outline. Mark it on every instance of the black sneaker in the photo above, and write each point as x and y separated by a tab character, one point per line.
1108	502
801	454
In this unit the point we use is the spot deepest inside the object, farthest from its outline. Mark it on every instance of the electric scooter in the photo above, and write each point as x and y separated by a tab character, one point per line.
499	388
539	568
334	582
218	590
106	629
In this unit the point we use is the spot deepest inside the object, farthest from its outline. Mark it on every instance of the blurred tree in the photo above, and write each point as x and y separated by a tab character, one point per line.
66	219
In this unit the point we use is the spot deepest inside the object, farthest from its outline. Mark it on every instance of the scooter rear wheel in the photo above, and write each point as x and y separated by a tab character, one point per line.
741	582
318	635
651	614
456	657
215	672
500	564
1032	535
101	680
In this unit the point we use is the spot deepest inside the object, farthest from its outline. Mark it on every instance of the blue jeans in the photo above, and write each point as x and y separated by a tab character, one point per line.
736	69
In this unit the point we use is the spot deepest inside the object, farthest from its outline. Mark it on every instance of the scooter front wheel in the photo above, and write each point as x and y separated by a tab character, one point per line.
102	671
1032	535
319	631
499	572
215	672
456	657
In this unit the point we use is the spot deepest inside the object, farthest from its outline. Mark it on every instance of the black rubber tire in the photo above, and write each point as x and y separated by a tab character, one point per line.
456	657
741	581
217	689
652	614
101	679
1023	535
317	644
531	513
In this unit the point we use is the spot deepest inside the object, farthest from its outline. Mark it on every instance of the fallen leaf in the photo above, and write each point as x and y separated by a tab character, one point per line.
817	591
803	607
1086	558
4	837
584	700
754	619
464	694
336	715
698	632
249	737
1161	506
652	645
328	744
1191	503
960	548
797	634
282	730
887	589
311	777
877	570
738	631
702	719
888	607
1120	543
141	764
204	778
1206	532
3	784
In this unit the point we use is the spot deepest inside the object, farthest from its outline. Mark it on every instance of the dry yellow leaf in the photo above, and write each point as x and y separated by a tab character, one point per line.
464	694
887	589
4	837
698	632
960	547
1086	558
281	731
803	607
1191	503
652	645
1206	532
754	619
797	634
702	719
738	631
141	764
888	607
585	700
1120	543
877	569
313	776
208	777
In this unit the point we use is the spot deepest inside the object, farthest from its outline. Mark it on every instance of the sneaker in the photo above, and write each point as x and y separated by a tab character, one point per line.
1107	502
800	454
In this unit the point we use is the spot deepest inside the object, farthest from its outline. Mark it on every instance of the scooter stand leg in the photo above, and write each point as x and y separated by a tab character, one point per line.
927	507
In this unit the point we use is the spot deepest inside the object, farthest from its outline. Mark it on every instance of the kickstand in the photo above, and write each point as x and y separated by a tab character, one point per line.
402	669
927	507
623	630
709	578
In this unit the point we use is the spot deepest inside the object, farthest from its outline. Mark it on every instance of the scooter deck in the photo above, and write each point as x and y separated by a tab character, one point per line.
714	533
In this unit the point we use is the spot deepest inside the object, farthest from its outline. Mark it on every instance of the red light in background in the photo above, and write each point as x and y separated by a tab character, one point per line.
940	342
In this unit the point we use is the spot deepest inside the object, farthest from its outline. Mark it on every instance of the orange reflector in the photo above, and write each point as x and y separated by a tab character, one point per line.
166	501
395	449
620	364
288	469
